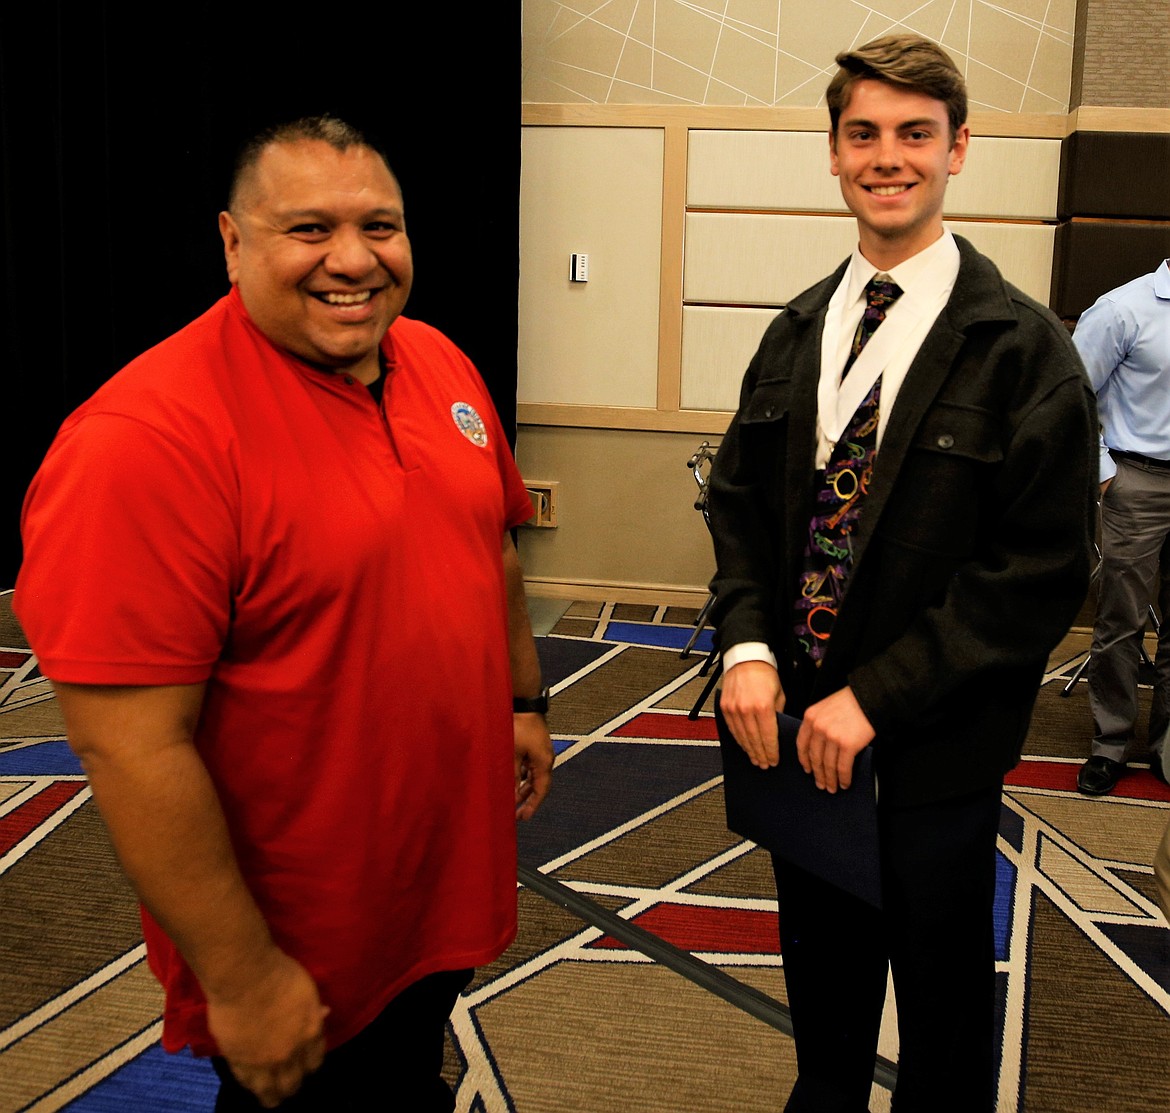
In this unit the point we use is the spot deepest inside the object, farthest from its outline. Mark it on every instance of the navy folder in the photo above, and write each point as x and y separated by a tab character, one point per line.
833	836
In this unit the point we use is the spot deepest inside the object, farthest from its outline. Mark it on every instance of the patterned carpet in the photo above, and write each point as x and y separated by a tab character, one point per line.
644	915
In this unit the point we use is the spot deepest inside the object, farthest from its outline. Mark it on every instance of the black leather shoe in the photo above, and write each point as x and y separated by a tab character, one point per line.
1099	775
1156	768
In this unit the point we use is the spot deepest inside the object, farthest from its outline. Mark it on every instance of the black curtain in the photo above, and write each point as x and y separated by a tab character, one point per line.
116	142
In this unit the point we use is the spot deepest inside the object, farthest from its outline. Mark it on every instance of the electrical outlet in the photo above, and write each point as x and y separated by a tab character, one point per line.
544	503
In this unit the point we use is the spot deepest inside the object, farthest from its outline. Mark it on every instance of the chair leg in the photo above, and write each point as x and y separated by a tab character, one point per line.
708	688
1080	671
1072	680
700	623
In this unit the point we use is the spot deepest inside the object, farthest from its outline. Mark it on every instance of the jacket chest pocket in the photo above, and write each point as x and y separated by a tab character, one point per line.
967	435
763	426
946	479
767	405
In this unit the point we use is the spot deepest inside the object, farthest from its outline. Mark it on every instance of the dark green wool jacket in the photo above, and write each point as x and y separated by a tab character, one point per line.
975	543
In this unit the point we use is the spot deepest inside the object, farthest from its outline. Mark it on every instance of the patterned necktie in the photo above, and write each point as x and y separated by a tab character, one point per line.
881	291
841	489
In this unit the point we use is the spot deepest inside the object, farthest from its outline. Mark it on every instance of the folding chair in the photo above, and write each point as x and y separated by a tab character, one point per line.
699	466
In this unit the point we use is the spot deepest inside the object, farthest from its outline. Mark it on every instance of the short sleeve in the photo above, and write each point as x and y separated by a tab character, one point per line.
517	503
130	555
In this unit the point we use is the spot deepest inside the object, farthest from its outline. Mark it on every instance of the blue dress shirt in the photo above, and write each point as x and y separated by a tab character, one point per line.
1124	340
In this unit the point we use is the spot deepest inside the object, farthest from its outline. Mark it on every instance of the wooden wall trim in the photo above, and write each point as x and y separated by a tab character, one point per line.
683	115
1091	118
1010	125
670	283
611	591
706	422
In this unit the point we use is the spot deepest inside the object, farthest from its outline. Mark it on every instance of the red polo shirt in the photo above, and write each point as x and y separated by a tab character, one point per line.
220	512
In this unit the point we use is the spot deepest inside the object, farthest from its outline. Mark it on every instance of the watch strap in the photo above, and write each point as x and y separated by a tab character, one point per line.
536	704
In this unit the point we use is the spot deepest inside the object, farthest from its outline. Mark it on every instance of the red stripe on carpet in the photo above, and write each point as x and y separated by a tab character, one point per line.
721	930
1136	784
21	822
13	660
653	724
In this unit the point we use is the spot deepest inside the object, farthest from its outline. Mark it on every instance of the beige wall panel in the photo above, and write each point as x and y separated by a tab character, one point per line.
719	342
599	191
1023	252
1015	178
625	508
761	170
742	259
717	346
790	171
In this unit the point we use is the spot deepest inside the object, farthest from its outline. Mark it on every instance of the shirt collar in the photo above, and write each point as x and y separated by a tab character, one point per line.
932	268
1162	280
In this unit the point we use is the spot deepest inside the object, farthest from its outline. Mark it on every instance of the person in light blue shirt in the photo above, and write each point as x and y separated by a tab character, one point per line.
1124	341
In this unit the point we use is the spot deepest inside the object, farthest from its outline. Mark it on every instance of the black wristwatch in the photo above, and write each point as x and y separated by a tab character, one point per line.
537	704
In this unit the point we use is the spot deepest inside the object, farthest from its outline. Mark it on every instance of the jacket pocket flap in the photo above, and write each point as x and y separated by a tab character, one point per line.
966	431
769	402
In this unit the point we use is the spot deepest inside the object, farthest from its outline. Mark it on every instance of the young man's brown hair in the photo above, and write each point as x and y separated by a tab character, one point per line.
904	60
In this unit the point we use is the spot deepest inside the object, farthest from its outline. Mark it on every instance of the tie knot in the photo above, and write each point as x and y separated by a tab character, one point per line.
880	291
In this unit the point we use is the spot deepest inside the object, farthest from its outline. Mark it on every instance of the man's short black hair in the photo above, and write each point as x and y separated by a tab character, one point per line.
341	136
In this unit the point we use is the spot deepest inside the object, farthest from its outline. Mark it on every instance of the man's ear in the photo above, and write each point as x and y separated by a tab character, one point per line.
230	232
959	150
834	168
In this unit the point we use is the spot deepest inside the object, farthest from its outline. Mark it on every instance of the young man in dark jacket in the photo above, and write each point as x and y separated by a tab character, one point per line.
902	528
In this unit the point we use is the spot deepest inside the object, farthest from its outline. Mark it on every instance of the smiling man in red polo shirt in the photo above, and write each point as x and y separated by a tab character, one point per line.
268	571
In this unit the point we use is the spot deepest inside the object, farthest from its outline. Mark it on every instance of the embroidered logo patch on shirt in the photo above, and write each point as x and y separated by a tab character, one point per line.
469	423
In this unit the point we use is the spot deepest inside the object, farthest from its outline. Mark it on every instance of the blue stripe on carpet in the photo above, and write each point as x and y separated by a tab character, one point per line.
156	1081
45	759
669	637
1005	887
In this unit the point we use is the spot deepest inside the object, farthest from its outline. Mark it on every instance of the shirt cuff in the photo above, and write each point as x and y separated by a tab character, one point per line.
1108	469
747	651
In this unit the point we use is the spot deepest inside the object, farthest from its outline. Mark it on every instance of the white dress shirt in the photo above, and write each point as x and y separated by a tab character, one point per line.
926	281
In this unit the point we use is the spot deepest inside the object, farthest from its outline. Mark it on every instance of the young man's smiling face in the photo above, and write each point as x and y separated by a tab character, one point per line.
893	153
317	245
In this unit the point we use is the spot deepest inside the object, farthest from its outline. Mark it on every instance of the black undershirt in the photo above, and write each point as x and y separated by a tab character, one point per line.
375	388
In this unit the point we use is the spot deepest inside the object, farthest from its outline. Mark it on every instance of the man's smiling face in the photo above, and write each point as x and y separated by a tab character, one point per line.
893	152
317	244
